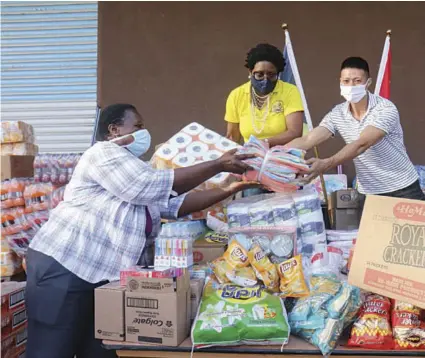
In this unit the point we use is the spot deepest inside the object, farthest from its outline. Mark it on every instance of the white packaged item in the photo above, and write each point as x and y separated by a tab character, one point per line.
341	235
209	137
183	160
193	129
225	144
326	261
180	140
211	155
311	224
306	201
197	149
167	152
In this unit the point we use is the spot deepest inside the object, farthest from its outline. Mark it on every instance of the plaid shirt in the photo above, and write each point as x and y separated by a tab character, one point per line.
99	228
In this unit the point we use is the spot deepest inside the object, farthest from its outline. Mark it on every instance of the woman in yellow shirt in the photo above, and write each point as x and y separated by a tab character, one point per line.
265	107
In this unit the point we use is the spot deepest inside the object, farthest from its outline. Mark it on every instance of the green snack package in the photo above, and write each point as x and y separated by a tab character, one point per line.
232	315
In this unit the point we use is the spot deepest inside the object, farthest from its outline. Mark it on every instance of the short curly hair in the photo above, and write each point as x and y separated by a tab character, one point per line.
265	52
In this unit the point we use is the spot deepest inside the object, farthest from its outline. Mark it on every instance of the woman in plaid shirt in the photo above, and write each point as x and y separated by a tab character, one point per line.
108	220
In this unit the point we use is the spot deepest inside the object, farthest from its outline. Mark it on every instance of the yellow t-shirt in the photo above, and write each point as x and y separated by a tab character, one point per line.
284	100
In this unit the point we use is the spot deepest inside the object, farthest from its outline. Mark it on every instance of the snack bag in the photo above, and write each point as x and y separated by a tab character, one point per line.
236	255
243	276
263	268
232	315
292	281
220	267
408	326
372	329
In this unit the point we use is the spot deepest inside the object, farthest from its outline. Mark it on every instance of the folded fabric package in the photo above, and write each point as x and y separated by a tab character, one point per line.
276	168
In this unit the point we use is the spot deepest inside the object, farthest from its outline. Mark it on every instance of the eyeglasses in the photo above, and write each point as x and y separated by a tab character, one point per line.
260	75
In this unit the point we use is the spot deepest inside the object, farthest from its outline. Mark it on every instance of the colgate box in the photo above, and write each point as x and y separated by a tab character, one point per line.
12	297
389	256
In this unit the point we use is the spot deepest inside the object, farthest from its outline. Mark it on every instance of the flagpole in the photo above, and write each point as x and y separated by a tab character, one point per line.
309	122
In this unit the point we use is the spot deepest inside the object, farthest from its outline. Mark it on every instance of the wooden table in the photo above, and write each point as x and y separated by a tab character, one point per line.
296	348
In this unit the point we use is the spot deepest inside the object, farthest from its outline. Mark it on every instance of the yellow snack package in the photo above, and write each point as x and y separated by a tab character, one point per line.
236	255
220	267
263	267
242	276
292	281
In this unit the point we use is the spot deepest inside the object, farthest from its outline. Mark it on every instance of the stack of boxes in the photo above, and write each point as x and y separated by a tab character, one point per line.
154	306
13	320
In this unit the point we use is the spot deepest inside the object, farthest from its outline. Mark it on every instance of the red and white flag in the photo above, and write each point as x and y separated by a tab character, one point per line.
383	81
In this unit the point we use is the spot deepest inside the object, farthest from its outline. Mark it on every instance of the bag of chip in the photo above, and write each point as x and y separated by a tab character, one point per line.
236	255
292	281
372	329
264	269
242	276
220	267
232	315
408	326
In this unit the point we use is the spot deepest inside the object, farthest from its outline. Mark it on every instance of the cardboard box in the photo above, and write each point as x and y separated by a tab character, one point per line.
205	251
151	272
12	296
389	257
157	318
346	219
346	199
196	288
14	344
159	285
13	321
19	166
109	312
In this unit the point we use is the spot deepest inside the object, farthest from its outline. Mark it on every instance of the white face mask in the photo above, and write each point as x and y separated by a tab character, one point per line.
354	94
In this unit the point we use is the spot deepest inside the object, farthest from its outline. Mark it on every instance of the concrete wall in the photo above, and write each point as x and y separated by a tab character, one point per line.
178	61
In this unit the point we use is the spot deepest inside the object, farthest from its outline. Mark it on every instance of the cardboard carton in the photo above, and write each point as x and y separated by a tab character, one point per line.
347	199
12	296
19	166
157	318
14	344
205	251
196	288
159	285
389	256
109	312
11	322
346	219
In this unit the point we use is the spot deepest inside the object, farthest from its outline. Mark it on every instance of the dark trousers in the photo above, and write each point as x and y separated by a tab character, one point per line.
413	191
60	309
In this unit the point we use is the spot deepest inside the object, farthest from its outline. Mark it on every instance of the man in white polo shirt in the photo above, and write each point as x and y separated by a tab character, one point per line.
370	126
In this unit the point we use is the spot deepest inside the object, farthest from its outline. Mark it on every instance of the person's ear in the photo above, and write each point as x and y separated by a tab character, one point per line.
369	82
249	74
114	131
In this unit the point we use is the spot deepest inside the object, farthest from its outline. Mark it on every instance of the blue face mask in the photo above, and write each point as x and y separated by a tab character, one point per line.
263	87
141	143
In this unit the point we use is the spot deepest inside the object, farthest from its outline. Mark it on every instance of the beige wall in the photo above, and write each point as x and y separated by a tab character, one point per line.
177	61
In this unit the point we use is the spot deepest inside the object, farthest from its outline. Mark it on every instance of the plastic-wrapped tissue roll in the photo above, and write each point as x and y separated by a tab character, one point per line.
209	137
167	152
310	244
238	216
306	201
225	144
193	129
180	140
341	235
311	224
218	181
183	160
197	149
260	215
211	155
283	212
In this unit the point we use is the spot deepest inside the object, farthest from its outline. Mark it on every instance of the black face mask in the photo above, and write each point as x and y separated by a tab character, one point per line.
263	87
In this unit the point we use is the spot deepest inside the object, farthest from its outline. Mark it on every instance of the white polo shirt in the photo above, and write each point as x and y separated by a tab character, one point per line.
385	167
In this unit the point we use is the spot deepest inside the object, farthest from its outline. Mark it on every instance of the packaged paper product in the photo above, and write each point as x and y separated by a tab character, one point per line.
238	211
327	261
193	129
276	168
372	328
341	235
311	224
306	202
19	149
321	317
408	323
233	315
16	132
